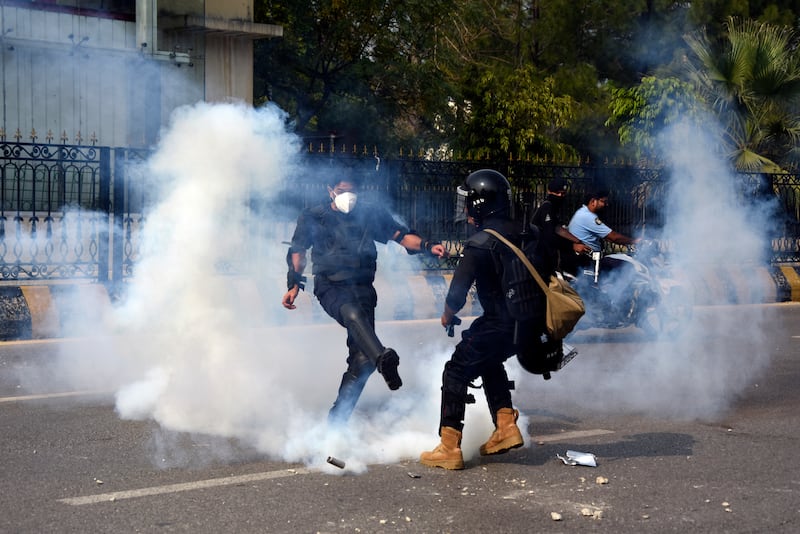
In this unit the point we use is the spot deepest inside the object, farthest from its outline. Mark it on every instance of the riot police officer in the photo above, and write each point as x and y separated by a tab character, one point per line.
341	234
561	245
489	340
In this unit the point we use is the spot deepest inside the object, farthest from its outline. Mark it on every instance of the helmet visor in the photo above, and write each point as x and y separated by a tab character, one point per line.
461	204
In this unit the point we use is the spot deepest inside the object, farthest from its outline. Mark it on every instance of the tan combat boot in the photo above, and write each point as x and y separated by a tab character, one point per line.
506	435
448	453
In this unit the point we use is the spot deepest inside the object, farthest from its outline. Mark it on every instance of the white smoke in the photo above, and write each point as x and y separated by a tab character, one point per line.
202	354
199	354
699	374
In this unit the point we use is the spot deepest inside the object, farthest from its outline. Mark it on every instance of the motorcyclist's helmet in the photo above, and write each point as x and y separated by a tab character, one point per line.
486	193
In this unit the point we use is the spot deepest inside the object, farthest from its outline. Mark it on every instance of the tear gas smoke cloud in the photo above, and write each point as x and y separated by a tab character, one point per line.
194	352
699	374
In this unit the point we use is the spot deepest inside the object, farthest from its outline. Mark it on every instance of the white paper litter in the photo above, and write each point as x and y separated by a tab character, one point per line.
579	458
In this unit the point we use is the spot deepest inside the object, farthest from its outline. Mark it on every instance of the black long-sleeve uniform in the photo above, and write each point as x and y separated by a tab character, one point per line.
488	342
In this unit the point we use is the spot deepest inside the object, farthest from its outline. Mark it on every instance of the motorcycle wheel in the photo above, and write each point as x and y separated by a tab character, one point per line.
650	321
668	317
676	310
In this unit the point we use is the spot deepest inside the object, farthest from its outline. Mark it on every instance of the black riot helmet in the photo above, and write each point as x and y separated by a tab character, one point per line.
486	193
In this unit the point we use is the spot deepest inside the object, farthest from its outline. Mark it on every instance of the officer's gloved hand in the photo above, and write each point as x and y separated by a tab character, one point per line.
450	328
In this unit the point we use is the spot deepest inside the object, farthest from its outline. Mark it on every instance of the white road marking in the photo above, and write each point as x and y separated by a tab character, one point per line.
175	488
267	475
23	398
564	436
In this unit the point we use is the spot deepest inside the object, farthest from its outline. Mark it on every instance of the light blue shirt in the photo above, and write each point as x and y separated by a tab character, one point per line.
588	227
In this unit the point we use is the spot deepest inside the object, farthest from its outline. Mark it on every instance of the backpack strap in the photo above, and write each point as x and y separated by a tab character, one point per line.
522	257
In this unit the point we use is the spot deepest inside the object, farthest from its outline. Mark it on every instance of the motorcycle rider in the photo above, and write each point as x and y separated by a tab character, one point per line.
488	342
341	234
561	245
587	226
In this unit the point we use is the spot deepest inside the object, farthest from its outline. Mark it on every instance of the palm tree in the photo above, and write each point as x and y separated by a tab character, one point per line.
752	83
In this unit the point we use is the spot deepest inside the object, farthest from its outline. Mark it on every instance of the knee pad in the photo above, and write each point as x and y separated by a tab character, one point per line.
359	363
351	313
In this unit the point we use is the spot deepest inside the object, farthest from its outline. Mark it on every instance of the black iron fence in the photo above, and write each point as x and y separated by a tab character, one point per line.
76	212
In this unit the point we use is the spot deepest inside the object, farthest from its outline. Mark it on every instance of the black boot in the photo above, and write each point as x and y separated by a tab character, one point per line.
387	367
362	331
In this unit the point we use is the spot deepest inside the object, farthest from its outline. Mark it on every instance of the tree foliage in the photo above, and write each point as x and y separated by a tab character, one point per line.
516	115
510	77
641	112
364	71
751	81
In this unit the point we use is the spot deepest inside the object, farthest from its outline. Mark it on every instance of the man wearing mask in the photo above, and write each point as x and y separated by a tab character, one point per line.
561	245
341	234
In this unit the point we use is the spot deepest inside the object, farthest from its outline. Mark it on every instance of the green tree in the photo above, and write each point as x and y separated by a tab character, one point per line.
441	73
752	83
641	112
364	71
712	14
515	115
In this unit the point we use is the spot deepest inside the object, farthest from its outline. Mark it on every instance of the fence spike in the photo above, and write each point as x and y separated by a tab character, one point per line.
34	136
17	135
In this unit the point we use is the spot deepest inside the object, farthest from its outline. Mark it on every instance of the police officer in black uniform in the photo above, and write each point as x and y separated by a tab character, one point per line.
341	234
489	340
562	247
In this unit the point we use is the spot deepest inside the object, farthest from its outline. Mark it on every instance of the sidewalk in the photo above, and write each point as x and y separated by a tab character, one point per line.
43	311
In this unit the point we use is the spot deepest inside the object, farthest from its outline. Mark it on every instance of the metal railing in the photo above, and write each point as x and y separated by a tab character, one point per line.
77	212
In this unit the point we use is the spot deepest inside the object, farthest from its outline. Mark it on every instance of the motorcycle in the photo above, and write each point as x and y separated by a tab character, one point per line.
632	291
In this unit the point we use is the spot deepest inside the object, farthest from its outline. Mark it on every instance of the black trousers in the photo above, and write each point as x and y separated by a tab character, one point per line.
360	365
333	295
482	352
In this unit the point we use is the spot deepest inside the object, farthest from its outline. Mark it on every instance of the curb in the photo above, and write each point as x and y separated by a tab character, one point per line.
41	311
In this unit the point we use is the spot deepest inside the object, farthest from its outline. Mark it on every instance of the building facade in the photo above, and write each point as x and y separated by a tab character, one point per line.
111	72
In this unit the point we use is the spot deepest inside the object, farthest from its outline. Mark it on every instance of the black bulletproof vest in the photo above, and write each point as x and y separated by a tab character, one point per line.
344	246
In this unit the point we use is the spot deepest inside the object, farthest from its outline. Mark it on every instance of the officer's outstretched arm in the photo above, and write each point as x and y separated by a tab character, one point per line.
622	239
414	243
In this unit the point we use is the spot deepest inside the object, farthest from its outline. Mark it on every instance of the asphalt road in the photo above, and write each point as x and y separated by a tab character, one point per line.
672	456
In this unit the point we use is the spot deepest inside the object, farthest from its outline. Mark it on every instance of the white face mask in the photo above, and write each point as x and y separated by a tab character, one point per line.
345	202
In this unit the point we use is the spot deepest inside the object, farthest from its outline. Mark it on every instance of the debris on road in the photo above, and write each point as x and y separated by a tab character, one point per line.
579	458
336	462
